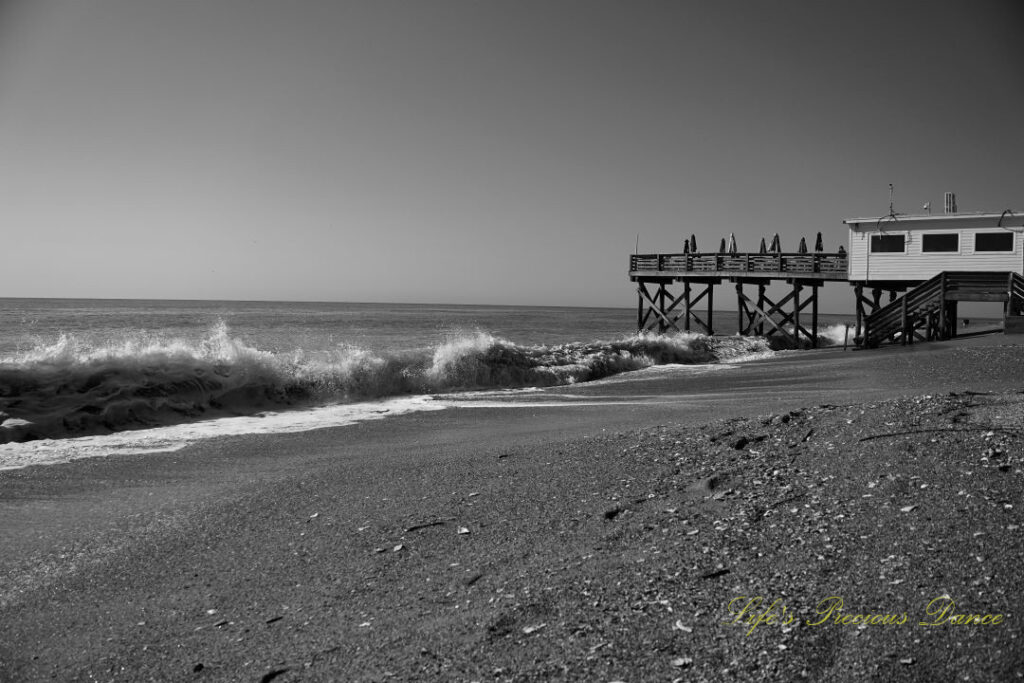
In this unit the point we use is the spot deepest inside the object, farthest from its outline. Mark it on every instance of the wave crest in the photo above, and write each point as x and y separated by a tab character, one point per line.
69	388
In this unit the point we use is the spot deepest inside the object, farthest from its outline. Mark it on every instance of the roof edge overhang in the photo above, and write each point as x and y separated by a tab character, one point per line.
1006	219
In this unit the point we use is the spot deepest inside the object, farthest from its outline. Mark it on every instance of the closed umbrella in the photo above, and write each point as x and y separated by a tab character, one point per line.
763	249
776	247
732	244
803	246
818	246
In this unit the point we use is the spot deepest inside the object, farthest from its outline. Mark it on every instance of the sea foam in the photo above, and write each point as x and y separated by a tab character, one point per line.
172	438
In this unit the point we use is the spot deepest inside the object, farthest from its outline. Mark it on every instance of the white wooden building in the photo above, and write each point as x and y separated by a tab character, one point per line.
916	248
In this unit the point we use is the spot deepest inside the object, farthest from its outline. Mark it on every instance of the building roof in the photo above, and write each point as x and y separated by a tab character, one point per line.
1003	218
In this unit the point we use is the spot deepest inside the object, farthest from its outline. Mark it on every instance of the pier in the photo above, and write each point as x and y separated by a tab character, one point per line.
676	291
926	264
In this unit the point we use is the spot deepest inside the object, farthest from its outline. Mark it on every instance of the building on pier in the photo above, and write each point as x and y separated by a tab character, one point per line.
916	248
926	264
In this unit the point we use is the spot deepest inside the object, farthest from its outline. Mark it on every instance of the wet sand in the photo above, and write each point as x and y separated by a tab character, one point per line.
602	539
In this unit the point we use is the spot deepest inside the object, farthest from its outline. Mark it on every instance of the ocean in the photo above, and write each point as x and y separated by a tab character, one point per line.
93	377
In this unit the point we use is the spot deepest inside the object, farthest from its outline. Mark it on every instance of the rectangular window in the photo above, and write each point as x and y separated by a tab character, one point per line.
941	242
888	243
993	241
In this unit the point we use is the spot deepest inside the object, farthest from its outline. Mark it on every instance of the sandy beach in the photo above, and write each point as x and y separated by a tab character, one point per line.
821	515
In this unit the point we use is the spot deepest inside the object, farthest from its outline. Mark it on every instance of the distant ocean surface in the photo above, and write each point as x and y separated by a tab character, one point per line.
72	368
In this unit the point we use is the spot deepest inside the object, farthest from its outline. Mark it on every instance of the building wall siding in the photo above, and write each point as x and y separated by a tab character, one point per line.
916	265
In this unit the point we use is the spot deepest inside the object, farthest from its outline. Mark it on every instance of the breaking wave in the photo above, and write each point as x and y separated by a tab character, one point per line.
71	388
837	334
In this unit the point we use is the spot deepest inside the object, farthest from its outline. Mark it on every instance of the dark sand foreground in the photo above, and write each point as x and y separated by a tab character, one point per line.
634	538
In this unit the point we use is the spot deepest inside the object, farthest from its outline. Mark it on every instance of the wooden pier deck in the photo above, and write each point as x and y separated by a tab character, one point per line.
658	309
814	266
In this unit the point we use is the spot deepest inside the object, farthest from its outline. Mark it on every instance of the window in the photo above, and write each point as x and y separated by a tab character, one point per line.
993	241
888	243
941	242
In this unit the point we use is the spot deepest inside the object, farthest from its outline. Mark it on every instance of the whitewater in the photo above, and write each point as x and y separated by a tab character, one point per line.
95	378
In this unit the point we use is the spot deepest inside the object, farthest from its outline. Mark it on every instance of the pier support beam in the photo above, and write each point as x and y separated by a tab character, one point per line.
661	311
782	318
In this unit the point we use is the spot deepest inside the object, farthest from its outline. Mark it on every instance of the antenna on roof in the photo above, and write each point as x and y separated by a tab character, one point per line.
892	212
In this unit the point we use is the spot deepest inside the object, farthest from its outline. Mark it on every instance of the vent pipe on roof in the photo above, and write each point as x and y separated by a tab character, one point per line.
950	202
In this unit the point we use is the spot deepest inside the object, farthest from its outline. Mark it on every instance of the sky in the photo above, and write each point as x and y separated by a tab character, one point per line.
478	151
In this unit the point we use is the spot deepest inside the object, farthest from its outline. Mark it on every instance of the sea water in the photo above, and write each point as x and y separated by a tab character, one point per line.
89	377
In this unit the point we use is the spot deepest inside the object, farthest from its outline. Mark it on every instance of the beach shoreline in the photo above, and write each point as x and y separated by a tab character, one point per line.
338	552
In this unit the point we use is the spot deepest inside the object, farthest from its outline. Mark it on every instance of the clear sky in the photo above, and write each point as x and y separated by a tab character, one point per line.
478	151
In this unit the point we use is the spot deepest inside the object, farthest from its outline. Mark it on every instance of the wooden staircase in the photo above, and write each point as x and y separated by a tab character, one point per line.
928	311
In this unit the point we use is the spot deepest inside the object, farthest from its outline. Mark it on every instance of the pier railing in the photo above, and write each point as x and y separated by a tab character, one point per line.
818	265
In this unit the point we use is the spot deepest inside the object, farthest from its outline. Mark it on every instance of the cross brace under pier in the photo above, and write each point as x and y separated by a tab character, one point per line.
660	310
764	317
657	311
